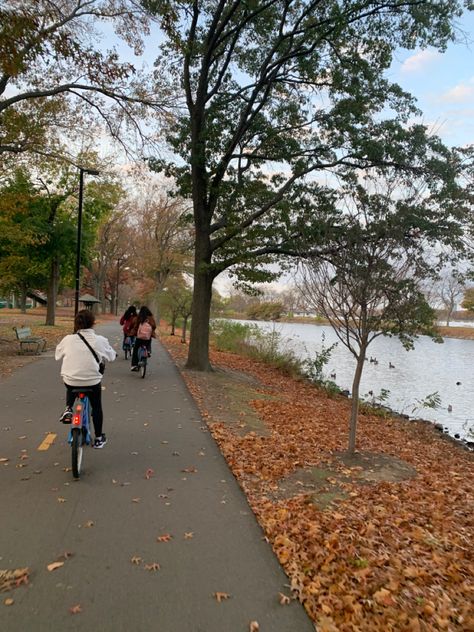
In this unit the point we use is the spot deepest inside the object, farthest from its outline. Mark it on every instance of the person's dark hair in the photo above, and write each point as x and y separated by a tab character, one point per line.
143	314
130	311
84	319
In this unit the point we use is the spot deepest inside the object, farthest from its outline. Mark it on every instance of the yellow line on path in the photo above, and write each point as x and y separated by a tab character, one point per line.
48	441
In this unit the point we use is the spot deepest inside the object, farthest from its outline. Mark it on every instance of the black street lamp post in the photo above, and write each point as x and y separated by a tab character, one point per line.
82	171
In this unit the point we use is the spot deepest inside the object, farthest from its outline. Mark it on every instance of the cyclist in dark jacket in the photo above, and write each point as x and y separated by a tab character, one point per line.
129	324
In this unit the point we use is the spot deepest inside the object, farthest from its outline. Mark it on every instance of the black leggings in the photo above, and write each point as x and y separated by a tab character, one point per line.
139	342
95	398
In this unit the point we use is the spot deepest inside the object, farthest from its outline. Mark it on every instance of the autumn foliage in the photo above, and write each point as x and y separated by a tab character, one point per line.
379	554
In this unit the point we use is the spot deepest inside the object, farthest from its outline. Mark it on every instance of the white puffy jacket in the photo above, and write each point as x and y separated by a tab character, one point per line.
79	367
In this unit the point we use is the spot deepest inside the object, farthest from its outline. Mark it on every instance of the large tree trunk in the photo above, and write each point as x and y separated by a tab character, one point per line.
183	331
113	301
198	356
355	400
52	292
23	290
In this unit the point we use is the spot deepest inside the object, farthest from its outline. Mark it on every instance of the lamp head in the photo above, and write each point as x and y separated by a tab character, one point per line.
91	172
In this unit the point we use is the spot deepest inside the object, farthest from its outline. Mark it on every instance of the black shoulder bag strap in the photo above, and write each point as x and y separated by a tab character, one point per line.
91	349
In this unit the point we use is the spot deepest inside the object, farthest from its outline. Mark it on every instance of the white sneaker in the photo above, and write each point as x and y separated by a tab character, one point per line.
100	441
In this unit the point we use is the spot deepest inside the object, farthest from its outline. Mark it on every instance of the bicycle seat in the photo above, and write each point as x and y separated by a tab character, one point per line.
78	390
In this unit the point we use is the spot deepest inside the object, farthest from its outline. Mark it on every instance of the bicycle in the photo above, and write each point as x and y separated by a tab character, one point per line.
79	434
143	355
128	346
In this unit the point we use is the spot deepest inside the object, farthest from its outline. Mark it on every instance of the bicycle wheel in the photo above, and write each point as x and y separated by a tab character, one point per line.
76	450
143	367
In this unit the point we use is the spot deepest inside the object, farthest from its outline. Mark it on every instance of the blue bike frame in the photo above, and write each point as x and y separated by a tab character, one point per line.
81	415
142	353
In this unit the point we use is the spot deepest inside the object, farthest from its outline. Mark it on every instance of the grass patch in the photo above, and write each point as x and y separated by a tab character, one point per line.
250	341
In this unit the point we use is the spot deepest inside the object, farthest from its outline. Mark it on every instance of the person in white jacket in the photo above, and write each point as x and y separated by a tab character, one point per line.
80	368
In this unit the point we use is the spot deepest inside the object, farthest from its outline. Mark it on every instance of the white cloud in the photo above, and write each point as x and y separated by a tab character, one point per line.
418	61
461	93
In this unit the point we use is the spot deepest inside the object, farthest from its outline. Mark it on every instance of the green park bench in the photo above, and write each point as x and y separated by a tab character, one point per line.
29	343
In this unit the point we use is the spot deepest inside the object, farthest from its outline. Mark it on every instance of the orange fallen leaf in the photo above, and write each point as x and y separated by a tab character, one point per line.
384	597
283	599
188	535
220	596
89	524
54	565
136	560
75	609
9	601
10	579
135	500
326	624
154	566
61	500
254	627
166	537
149	473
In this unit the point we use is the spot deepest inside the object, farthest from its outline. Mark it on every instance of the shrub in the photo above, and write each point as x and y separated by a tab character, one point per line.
251	341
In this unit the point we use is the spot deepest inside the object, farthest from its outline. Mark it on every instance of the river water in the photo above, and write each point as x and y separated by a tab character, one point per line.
445	368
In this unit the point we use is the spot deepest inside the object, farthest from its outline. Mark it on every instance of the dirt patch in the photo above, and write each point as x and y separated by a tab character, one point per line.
326	485
374	467
227	396
321	486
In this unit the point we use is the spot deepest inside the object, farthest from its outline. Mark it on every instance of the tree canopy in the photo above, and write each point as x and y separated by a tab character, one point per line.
57	81
273	93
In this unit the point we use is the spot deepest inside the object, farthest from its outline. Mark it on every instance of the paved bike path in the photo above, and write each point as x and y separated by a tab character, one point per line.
160	474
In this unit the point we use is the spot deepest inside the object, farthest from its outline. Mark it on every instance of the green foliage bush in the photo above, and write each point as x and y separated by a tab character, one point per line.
252	342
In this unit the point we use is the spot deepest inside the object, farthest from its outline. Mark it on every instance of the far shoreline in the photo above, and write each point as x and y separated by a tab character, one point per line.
462	333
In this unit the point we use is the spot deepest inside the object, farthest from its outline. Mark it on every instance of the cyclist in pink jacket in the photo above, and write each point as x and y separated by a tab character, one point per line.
146	326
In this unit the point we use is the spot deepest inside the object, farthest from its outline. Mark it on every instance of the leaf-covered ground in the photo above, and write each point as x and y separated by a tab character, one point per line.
382	543
10	359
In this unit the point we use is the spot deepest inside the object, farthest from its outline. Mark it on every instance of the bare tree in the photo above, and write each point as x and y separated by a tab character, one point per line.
451	292
163	242
56	82
369	285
